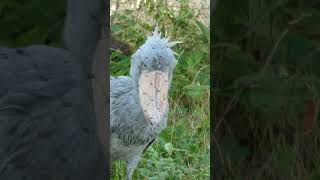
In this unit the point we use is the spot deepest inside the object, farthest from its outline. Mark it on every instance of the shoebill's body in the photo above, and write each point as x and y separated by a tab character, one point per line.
48	129
139	102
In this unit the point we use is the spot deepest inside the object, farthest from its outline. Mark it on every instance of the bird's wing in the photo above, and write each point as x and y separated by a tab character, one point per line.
30	73
126	117
46	129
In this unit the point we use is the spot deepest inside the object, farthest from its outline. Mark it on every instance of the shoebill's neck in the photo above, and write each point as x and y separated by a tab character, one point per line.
83	38
82	29
99	88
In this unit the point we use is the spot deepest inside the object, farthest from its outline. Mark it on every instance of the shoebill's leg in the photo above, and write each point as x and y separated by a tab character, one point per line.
131	165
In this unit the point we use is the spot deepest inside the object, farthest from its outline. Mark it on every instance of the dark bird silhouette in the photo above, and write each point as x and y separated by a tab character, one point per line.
138	103
48	128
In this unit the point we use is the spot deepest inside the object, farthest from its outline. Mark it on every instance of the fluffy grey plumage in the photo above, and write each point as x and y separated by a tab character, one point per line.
47	125
131	130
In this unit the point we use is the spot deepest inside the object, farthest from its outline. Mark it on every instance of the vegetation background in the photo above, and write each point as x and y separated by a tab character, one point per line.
31	22
266	56
182	150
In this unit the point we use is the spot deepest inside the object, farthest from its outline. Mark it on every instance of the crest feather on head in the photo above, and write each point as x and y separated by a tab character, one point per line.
152	47
156	37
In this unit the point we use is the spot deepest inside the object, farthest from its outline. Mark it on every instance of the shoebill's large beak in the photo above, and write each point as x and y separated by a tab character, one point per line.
153	93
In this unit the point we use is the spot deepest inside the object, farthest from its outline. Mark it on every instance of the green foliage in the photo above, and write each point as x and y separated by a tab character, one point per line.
119	64
182	150
266	59
31	22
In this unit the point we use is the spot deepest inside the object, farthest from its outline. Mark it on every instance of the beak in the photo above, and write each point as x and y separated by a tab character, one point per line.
153	94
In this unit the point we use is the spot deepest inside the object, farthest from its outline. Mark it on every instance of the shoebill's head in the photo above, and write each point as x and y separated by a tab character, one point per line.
152	67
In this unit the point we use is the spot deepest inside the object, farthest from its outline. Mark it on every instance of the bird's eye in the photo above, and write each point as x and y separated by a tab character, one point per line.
144	65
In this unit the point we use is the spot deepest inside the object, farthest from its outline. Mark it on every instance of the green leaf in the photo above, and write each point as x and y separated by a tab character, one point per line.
169	148
205	31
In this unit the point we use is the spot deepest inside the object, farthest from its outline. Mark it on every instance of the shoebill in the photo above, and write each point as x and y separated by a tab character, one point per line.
139	102
48	127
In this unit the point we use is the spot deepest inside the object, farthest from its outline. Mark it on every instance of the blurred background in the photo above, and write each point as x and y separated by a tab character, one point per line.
182	150
31	22
266	56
